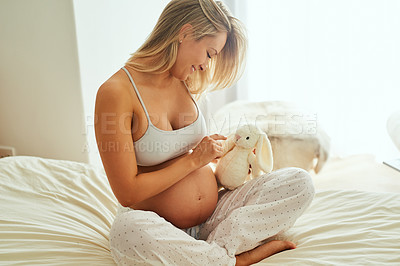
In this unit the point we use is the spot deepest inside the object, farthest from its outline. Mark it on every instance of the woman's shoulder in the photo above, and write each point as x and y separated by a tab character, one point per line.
116	89
117	82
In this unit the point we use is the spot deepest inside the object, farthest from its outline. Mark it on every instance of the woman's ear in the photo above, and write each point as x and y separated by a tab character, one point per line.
264	155
185	31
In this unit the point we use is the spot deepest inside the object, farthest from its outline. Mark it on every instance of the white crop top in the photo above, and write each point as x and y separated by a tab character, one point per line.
157	146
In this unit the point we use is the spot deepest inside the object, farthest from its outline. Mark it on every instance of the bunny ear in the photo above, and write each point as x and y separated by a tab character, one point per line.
264	154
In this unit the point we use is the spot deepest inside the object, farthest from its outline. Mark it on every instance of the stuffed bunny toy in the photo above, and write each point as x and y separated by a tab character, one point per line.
233	168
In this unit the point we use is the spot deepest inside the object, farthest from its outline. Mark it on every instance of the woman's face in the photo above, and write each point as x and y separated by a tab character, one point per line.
194	55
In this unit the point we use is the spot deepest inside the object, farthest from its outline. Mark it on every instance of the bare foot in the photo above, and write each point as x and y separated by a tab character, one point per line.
261	252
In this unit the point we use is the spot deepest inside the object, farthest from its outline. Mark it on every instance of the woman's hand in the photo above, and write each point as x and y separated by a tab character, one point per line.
207	150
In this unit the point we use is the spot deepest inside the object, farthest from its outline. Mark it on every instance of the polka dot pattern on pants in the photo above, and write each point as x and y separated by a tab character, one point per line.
242	220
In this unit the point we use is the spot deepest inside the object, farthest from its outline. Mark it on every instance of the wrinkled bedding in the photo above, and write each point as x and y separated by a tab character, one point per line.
345	228
60	212
54	212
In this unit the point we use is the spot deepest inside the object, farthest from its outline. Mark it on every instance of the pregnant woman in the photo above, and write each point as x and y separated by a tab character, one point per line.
152	140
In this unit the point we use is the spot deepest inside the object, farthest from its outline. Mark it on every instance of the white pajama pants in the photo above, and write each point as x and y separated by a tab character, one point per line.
243	219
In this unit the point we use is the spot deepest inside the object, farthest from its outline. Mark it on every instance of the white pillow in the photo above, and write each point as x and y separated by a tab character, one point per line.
296	138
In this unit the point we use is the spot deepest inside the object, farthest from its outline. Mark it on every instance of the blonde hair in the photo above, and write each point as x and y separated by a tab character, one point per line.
207	17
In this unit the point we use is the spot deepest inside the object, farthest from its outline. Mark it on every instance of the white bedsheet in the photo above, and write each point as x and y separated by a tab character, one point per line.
60	212
54	212
345	228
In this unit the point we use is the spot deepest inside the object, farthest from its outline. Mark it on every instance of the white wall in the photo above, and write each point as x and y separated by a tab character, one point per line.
108	32
338	58
41	110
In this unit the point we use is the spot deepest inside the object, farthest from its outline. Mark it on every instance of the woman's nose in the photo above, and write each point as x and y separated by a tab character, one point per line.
203	66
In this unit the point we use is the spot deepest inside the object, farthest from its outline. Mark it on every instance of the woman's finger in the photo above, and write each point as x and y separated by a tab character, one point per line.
215	161
218	137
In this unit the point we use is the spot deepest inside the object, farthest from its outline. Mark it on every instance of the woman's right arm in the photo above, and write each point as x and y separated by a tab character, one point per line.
113	119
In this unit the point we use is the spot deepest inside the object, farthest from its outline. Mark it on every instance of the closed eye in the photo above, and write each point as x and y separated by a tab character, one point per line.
208	55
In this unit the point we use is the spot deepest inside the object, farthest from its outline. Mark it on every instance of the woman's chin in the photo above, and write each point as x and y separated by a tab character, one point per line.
182	77
185	77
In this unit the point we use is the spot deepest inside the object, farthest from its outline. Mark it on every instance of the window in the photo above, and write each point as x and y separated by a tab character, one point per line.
337	58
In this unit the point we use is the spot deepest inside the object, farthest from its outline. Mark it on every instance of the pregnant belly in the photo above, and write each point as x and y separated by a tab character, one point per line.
187	203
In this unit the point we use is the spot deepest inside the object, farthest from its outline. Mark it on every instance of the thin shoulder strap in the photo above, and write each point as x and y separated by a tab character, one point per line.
195	103
137	92
188	91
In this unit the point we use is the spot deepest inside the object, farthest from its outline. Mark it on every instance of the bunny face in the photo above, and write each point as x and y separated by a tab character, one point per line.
247	136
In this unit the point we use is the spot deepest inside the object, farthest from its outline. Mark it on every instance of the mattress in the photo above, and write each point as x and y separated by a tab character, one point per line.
56	212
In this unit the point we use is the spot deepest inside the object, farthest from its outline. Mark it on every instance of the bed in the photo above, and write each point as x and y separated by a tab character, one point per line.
56	212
